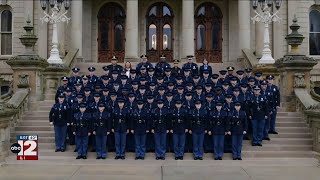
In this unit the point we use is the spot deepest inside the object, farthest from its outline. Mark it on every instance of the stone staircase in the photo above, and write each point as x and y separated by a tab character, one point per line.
293	141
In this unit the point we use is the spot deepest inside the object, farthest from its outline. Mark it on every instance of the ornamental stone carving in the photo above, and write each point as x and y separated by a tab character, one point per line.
23	81
299	81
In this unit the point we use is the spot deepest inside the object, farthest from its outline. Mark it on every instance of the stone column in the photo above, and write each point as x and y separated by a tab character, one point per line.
42	34
5	117
187	28
244	24
76	26
132	36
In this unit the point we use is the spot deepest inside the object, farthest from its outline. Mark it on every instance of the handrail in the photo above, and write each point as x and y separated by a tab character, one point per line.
306	99
70	57
314	95
18	102
250	60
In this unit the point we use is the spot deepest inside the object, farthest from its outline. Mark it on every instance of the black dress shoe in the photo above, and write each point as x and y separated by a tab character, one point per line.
254	144
103	157
195	158
163	158
275	132
93	150
157	158
259	144
216	158
57	150
181	158
117	157
220	158
62	150
78	157
122	157
176	158
240	159
235	158
200	158
136	158
75	150
84	157
266	138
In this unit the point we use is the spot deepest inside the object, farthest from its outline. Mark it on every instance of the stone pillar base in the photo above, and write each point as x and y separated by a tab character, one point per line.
5	117
52	75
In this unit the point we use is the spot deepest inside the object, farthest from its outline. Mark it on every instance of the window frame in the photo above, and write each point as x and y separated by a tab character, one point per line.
313	8
6	56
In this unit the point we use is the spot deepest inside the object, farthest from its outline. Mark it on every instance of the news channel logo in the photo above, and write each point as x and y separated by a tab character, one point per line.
26	147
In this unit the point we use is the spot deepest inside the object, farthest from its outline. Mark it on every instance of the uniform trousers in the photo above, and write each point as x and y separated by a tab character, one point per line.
120	142
160	144
101	145
71	136
257	129
273	120
60	136
140	143
178	144
236	145
82	145
198	144
218	141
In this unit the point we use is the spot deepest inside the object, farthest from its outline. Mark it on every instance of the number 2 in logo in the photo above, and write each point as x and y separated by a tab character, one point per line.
29	150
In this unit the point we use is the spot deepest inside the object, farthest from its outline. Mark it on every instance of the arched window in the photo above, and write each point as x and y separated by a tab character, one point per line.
314	35
208	33
152	36
201	39
159	32
111	18
6	32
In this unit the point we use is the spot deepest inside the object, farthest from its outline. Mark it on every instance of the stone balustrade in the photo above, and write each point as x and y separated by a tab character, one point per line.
10	115
310	110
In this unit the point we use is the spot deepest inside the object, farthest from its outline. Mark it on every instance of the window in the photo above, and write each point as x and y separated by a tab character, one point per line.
208	33
201	40
6	32
159	30
118	37
152	36
314	35
166	36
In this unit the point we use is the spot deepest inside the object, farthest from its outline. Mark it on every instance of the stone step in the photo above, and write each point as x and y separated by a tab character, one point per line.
39	133
291	114
37	113
290	124
291	135
69	155
32	128
44	108
36	118
293	130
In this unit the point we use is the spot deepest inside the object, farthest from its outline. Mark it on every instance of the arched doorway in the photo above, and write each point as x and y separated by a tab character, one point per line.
159	32
208	33
111	32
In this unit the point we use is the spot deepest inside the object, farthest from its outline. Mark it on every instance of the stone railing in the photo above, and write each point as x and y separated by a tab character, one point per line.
11	113
69	59
310	110
249	60
18	102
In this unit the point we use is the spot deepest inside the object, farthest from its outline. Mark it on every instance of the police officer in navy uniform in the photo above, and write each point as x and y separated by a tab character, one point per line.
209	106
93	79
258	115
191	65
218	128
120	128
160	129
60	117
238	123
140	127
150	105
276	102
270	105
65	84
144	62
198	129
82	128
161	66
101	128
179	128
176	70
114	66
75	78
189	106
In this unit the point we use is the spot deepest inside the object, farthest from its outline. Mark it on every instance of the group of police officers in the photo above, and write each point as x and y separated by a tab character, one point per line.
164	109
